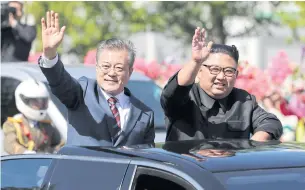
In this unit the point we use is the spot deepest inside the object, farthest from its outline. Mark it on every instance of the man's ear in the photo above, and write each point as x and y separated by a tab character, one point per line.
237	74
130	71
96	69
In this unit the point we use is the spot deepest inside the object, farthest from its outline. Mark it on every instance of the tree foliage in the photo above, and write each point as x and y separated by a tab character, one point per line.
184	17
294	20
88	22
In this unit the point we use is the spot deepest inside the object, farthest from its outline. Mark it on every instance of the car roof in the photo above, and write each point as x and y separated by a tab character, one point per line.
25	70
245	154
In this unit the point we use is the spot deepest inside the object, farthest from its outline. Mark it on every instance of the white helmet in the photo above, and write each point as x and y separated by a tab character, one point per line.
32	98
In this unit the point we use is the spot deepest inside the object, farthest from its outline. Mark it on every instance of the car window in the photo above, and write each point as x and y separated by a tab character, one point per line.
91	174
149	93
23	173
147	178
279	179
8	105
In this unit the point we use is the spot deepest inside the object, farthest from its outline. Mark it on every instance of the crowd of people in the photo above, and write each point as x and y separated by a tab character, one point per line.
280	89
213	96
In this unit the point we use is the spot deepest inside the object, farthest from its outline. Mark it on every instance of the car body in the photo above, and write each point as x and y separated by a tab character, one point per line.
172	165
141	86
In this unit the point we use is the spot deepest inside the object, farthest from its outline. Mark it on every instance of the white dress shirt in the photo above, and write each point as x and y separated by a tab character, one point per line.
47	63
123	103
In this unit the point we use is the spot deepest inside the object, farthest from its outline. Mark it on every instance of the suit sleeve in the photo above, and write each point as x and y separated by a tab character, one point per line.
67	89
264	121
174	96
149	137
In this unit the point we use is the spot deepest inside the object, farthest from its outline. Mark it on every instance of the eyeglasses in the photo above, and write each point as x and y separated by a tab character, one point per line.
215	70
107	68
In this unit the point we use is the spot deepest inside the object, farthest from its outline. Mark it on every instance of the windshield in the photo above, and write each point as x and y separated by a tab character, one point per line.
265	179
149	93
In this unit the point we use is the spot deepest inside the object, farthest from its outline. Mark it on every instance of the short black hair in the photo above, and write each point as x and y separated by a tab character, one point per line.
229	50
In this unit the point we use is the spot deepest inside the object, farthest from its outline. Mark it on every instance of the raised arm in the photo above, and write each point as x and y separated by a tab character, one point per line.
176	92
200	52
63	86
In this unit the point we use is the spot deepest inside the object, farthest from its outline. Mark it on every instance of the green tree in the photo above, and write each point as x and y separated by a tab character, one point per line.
294	20
183	17
89	22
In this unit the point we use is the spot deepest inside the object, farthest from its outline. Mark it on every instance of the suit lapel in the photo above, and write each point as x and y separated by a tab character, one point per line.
103	102
131	122
99	108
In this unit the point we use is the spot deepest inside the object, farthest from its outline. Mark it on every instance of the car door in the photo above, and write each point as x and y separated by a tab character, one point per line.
25	171
84	172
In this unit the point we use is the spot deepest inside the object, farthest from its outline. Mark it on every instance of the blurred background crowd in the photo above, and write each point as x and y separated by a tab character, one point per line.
270	37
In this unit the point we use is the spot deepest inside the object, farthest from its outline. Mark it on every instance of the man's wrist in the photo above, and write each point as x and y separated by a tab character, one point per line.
48	63
261	136
49	56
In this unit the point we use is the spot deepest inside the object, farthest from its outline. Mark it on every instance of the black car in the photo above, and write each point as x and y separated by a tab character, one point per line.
205	164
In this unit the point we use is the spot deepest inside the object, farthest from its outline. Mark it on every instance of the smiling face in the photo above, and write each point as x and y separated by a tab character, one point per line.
113	70
219	85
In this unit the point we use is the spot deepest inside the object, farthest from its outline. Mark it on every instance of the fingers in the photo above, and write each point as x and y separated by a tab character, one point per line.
196	36
194	41
48	16
52	19
56	22
209	46
62	31
197	33
202	34
43	24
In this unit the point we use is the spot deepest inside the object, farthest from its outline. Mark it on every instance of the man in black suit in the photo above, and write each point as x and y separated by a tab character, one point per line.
102	112
16	38
213	108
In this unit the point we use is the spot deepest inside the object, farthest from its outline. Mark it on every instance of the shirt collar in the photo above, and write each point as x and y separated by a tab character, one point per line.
208	101
121	97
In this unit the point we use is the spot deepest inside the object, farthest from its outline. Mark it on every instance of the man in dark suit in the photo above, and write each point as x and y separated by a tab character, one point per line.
213	108
102	112
16	38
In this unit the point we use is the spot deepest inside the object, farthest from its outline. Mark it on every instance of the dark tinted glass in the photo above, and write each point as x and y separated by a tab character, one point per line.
149	93
78	174
35	103
23	173
8	105
279	179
